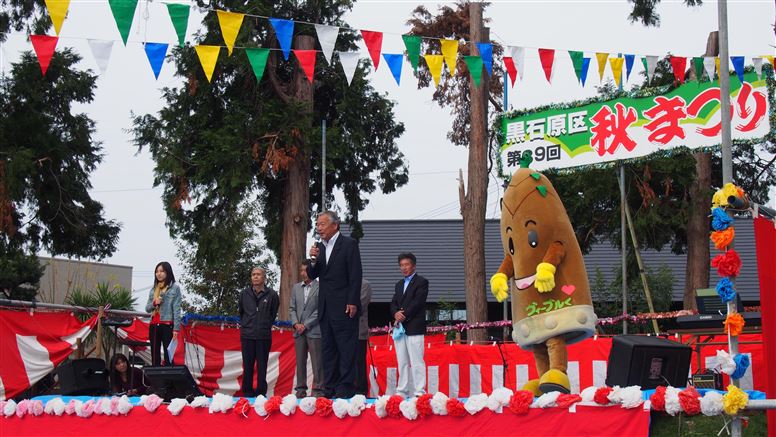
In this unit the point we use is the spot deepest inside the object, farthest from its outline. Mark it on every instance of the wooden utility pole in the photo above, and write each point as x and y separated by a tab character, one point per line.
474	200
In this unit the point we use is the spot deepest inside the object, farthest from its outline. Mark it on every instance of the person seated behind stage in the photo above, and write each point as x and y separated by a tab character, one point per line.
164	302
125	379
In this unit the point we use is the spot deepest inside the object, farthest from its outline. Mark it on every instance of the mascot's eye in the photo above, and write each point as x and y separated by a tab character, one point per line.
511	246
533	239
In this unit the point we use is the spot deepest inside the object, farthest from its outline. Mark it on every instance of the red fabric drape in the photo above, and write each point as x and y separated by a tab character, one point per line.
765	239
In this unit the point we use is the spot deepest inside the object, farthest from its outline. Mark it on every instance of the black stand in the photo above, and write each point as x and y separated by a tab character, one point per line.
504	361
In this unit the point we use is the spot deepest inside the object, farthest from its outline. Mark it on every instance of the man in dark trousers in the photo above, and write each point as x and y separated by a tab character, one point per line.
408	308
337	267
303	310
258	307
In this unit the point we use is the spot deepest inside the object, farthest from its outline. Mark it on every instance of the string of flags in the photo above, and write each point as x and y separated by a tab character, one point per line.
230	23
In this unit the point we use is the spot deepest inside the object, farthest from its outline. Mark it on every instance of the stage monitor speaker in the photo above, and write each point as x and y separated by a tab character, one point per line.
87	376
170	382
648	362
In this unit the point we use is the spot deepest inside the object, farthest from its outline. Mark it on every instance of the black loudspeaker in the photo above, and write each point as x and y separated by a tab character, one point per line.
647	362
87	376
170	382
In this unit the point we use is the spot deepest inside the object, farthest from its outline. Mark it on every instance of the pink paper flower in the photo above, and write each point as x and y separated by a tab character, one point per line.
22	407
152	403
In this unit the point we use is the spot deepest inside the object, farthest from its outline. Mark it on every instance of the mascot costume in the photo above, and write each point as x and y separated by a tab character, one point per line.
551	303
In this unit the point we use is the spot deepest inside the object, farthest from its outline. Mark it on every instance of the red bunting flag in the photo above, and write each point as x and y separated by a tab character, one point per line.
547	56
306	60
44	46
509	64
679	64
374	44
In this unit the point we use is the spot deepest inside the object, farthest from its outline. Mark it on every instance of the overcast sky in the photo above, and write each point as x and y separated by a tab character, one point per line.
123	182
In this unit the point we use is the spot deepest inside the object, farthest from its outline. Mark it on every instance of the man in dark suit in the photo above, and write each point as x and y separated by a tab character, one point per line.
337	267
408	308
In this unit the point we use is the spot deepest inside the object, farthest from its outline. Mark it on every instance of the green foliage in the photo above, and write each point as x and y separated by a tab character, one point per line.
19	273
103	294
23	15
645	11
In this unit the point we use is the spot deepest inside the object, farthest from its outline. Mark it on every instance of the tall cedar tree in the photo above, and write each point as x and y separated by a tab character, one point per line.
237	139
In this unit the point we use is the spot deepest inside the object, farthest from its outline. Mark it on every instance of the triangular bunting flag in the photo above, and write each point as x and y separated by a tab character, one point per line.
509	65
394	63
412	43
772	61
374	45
650	63
101	51
616	64
679	65
44	46
547	57
230	23
450	53
306	60
738	65
349	62
435	63
486	53
123	13
709	64
284	30
585	68
257	57
716	64
629	65
601	57
179	15
518	58
327	38
57	10
758	66
208	55
576	61
697	63
474	63
155	52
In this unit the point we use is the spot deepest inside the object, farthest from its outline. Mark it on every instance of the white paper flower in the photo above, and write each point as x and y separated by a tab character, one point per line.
631	397
439	404
152	403
124	405
142	400
307	405
588	394
176	406
103	406
10	408
614	396
200	401
357	405
55	406
409	408
258	405
288	404
340	407
499	399
380	404
711	403
725	362
547	400
673	407
476	403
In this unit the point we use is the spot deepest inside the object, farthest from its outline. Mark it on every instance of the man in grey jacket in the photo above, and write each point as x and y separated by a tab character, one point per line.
258	308
307	334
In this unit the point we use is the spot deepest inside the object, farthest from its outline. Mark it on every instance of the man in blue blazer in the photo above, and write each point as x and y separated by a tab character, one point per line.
337	266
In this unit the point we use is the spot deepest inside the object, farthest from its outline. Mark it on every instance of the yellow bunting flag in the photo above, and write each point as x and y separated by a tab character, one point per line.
450	52
601	57
434	66
616	64
57	9
716	62
771	60
208	55
230	23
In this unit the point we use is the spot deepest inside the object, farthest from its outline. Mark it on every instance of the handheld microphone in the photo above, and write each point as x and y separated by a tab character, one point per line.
316	240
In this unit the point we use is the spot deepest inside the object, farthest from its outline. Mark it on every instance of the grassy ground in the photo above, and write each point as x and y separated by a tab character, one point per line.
663	425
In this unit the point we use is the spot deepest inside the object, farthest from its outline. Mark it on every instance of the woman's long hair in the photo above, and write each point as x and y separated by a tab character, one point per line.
115	378
167	269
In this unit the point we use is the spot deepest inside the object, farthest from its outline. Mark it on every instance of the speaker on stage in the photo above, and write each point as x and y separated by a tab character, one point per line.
647	362
87	376
170	382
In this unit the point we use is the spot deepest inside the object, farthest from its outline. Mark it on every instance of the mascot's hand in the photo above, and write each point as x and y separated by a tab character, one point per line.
499	287
545	277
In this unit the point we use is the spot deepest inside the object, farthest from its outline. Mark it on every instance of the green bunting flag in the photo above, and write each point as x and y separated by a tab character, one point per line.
123	12
576	60
412	43
697	62
179	14
474	64
258	60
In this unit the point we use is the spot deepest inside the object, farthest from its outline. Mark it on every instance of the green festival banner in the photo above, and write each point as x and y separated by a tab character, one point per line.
625	128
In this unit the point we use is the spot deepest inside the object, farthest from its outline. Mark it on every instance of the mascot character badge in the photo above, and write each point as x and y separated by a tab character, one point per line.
551	304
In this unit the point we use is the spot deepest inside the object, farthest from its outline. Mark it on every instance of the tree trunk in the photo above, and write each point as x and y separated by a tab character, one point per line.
474	202
296	194
697	269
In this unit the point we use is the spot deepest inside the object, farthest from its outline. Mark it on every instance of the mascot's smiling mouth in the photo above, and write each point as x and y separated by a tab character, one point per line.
525	282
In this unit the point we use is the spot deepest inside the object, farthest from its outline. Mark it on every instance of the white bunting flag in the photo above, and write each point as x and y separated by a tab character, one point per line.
349	61
327	37
758	66
651	65
101	50
710	65
518	58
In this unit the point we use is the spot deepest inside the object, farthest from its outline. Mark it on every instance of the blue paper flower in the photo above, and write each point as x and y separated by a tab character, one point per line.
742	363
719	219
725	290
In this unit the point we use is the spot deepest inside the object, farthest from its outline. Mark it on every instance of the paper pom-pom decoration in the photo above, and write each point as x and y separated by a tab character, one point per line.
734	324
734	400
727	264
722	239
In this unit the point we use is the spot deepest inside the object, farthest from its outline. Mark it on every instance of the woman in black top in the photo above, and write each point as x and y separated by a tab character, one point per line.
122	381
